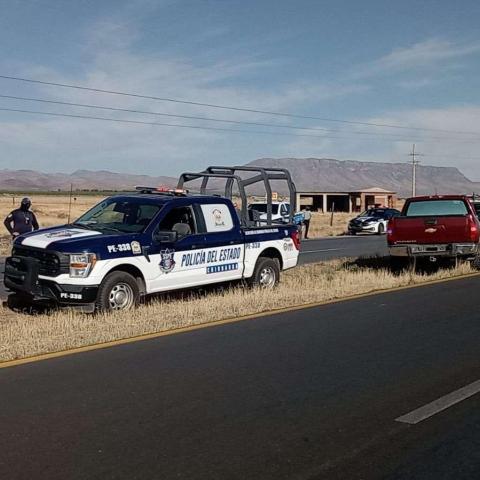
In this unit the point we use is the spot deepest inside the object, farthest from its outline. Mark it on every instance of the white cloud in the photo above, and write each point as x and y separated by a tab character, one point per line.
430	53
439	148
63	144
113	62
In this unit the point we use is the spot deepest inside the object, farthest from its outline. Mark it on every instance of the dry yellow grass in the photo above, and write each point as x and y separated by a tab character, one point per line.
24	335
320	224
50	210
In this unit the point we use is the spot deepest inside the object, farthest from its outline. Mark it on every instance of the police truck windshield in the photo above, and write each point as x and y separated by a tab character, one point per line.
126	216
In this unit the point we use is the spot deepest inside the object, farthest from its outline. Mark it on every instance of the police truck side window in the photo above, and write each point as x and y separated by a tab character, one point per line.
217	217
181	220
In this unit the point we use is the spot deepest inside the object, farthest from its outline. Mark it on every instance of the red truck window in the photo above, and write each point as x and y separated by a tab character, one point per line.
436	208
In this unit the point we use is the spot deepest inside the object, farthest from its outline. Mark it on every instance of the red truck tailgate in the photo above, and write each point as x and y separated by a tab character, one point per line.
432	230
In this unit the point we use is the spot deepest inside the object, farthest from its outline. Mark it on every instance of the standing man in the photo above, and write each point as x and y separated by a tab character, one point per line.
307	215
22	220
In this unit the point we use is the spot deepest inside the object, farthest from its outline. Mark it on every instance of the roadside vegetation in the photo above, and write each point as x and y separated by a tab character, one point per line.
23	335
320	224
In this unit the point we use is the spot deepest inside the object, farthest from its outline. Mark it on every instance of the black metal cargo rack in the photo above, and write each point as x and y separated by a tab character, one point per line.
232	175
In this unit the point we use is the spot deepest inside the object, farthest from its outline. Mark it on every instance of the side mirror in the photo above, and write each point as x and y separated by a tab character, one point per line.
165	236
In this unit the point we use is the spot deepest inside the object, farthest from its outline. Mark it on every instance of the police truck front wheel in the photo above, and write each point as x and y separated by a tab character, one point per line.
266	273
118	291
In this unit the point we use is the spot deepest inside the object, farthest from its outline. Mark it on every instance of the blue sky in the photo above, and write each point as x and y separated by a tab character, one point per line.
407	63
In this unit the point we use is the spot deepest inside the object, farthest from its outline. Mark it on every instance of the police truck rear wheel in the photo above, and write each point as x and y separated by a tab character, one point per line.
266	273
118	291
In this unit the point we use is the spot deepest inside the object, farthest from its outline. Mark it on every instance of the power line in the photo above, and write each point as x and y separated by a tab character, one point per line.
196	127
209	119
139	122
225	107
162	114
190	117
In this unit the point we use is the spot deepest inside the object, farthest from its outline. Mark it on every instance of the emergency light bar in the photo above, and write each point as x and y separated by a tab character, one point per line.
163	190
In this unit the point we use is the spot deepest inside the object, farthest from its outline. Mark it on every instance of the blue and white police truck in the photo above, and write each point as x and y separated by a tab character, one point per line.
156	240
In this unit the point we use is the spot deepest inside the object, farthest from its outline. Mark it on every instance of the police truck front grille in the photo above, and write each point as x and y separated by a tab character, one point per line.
51	264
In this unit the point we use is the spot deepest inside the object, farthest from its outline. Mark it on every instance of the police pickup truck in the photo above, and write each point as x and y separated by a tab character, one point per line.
155	240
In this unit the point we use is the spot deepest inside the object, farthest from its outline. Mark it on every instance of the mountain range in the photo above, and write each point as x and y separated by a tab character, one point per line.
330	175
309	174
31	180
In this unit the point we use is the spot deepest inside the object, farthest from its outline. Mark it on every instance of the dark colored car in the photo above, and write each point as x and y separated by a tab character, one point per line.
373	220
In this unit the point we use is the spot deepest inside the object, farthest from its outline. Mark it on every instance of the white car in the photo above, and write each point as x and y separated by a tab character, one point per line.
373	220
280	211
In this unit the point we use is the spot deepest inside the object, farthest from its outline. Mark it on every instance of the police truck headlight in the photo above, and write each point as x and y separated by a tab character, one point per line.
81	264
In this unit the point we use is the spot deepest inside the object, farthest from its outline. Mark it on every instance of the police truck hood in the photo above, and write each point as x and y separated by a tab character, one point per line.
70	239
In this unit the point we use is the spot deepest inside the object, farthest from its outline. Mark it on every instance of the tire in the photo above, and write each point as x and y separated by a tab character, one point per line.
381	229
19	301
266	273
118	291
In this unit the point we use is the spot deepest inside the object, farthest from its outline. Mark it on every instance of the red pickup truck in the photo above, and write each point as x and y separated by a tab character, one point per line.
433	227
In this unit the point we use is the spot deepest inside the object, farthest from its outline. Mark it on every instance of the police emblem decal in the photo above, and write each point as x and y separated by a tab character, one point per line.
61	234
167	263
218	218
136	247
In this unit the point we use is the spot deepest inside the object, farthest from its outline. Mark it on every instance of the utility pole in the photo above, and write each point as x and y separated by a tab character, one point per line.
70	203
415	162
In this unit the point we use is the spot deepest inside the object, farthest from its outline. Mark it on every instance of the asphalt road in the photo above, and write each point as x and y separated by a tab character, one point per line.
340	247
312	250
309	394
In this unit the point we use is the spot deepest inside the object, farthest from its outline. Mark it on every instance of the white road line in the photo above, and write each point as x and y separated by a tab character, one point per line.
440	404
324	250
342	237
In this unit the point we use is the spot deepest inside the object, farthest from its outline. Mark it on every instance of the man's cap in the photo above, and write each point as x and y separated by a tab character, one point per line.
26	200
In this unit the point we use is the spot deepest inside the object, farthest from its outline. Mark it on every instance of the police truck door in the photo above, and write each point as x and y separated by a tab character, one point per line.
223	241
178	264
